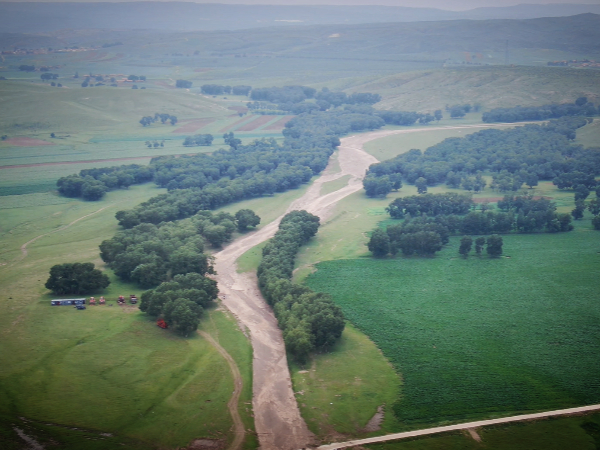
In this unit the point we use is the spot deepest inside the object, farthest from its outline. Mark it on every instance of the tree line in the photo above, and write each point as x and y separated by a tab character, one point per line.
263	167
515	156
93	184
163	117
441	215
309	320
218	89
581	107
198	140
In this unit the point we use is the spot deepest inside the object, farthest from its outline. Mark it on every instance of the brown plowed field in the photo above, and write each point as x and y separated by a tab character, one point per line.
233	125
26	142
256	123
194	125
280	124
239	109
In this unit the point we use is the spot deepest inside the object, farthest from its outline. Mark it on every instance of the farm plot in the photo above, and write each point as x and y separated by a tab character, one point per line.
280	124
481	337
194	125
256	123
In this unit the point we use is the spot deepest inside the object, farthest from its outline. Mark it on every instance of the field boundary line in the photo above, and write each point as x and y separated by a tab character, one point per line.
233	403
463	426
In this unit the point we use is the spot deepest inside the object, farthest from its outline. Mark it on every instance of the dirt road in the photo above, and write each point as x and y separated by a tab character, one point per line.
232	404
277	418
462	426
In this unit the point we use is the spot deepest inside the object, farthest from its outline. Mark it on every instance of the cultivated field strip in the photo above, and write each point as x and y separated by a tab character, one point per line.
462	426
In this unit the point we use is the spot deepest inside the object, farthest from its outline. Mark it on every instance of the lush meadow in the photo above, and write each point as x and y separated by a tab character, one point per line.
108	368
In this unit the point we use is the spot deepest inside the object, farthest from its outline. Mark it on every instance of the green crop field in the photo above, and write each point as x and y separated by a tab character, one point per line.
481	337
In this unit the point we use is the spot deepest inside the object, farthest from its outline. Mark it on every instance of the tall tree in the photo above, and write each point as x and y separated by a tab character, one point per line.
76	278
494	245
479	243
379	244
465	245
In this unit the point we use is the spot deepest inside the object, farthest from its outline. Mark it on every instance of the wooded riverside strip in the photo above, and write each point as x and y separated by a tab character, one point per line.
308	319
202	182
581	107
525	154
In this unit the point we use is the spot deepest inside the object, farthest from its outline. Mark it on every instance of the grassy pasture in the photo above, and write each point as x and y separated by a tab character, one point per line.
481	337
339	392
108	368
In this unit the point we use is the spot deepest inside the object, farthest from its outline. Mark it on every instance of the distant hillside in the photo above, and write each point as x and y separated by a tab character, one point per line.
578	34
492	87
31	17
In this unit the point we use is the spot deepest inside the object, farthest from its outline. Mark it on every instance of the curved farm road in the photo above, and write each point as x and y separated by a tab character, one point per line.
232	404
278	422
462	426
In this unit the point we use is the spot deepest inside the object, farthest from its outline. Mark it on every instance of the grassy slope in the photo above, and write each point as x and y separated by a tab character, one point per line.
491	86
154	386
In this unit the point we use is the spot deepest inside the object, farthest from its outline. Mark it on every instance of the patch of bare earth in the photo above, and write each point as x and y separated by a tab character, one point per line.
206	444
26	142
375	423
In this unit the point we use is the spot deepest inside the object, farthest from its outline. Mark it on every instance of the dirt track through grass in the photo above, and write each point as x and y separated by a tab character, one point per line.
31	241
232	404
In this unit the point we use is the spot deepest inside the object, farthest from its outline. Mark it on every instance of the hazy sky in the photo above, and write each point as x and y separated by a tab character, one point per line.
455	5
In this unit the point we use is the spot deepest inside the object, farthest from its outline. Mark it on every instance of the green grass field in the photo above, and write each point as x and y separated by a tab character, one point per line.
106	369
339	392
481	337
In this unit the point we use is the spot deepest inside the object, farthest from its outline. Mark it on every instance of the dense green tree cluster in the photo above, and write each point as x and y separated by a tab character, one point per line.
285	94
430	205
183	84
92	184
49	76
215	89
581	107
180	301
516	156
198	140
309	320
292	99
494	245
163	117
26	68
426	234
149	254
76	278
458	111
202	182
405	118
241	90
